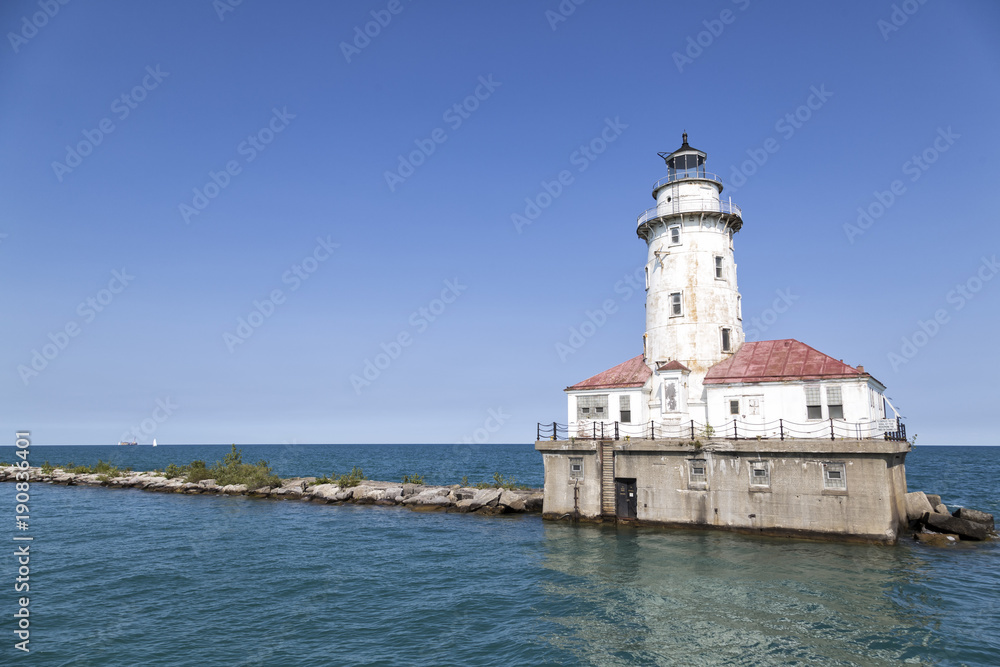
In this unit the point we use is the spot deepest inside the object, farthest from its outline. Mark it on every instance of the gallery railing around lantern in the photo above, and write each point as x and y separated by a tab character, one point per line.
683	175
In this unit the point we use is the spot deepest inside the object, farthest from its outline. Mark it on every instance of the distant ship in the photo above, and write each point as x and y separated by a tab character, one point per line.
123	442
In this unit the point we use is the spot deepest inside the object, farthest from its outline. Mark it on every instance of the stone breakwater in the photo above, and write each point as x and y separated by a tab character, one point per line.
454	498
932	522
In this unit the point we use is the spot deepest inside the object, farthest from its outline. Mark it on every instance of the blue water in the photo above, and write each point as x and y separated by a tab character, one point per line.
125	577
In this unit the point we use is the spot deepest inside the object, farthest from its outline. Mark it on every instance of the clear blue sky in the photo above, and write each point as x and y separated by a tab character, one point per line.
329	121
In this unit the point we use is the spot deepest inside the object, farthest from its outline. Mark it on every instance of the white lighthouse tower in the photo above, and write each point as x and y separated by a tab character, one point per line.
693	318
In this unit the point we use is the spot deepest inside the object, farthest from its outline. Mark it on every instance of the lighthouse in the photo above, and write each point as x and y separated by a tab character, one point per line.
693	318
703	428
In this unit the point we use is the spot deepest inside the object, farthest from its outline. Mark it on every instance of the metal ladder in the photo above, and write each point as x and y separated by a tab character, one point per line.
608	479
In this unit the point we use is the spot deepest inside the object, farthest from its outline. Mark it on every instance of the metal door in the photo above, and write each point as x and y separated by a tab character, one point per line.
626	501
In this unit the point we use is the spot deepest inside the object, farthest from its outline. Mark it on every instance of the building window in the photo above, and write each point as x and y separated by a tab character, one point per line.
814	408
625	407
734	406
675	235
727	344
739	307
676	304
647	277
696	472
576	467
759	474
592	406
718	268
834	476
834	403
669	396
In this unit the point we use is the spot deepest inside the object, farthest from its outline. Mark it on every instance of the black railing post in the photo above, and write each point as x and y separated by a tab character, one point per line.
652	430
735	434
692	430
594	434
831	429
616	430
554	431
781	427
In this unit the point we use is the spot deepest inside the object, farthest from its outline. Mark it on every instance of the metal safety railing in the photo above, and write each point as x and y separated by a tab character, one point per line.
735	429
681	205
684	174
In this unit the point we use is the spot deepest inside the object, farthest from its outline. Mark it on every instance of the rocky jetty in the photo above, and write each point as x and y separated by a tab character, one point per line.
454	498
933	523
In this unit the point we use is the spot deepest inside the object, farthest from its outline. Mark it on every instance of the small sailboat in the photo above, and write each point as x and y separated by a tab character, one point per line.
154	442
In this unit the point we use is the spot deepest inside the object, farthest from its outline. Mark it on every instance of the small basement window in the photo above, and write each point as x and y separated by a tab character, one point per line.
625	408
734	406
834	476
718	268
814	407
759	474
676	304
834	403
576	468
696	472
727	343
675	235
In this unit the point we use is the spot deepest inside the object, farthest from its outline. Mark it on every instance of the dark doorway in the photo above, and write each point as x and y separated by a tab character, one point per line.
626	501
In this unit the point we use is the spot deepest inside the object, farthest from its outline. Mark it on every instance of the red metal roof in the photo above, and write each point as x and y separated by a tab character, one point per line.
632	373
779	361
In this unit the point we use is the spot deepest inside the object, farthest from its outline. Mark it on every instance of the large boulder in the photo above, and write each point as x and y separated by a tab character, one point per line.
933	499
941	508
512	501
936	539
324	491
967	530
485	498
917	505
976	516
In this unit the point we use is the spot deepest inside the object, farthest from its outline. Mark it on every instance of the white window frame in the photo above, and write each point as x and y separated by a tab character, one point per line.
731	402
576	461
720	267
670	235
834	398
723	334
625	406
739	307
815	386
670	301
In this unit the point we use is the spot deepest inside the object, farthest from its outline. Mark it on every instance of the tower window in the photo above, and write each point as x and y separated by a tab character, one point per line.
676	305
675	235
625	408
834	403
718	268
739	307
647	277
814	408
727	344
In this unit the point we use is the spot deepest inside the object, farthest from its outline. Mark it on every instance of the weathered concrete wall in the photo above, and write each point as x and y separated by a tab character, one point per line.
794	501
